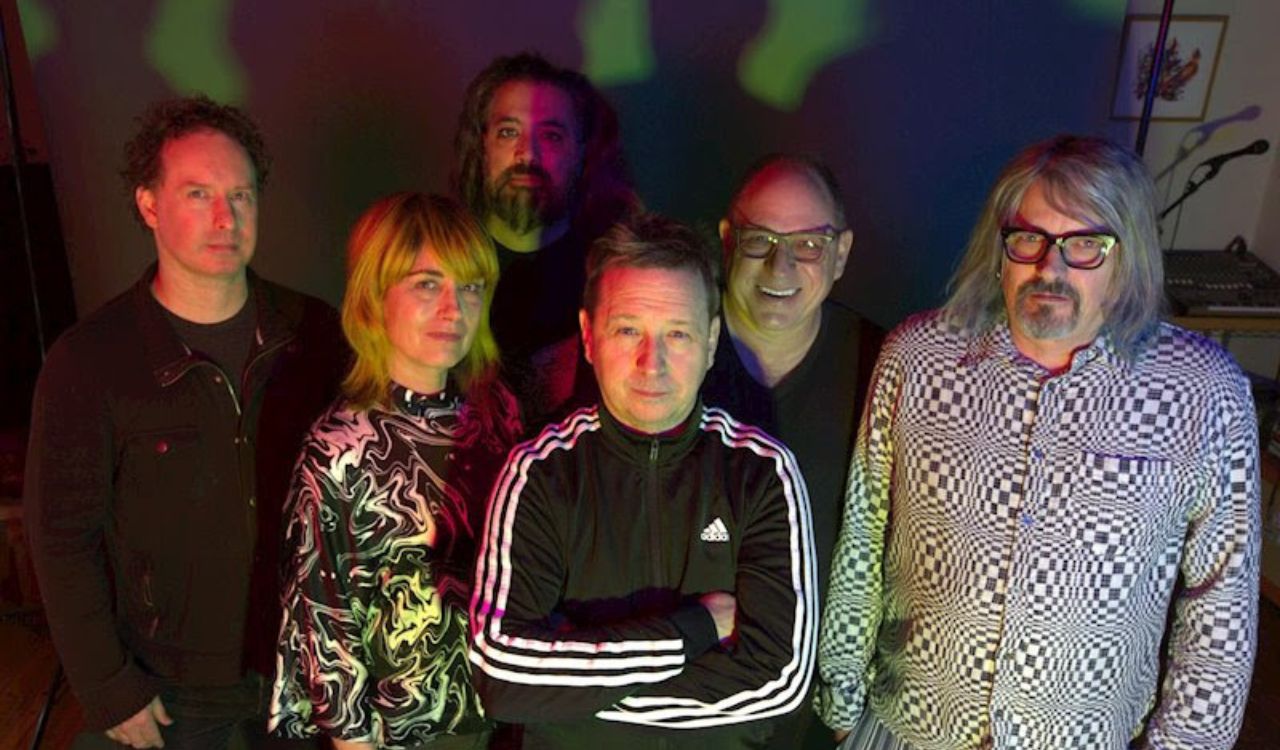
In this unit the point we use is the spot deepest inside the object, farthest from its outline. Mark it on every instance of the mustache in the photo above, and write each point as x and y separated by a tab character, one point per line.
1040	286
523	170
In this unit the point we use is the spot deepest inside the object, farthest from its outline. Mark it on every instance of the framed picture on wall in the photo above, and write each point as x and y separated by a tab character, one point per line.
1190	62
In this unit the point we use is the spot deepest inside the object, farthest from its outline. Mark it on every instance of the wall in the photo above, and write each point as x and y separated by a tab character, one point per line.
1242	199
916	105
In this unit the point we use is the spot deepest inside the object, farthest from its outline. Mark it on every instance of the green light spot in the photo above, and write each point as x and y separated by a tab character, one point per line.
188	46
798	39
39	29
1101	10
615	41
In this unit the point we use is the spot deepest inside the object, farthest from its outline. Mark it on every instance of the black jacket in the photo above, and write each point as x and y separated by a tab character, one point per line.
598	543
153	494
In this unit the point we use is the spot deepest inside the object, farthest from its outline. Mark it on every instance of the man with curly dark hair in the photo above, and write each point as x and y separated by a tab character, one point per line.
539	161
162	435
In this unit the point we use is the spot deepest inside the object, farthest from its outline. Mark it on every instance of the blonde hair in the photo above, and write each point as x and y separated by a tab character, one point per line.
383	246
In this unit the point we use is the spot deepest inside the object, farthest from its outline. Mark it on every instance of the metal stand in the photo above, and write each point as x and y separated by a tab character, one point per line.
43	719
1192	186
1153	82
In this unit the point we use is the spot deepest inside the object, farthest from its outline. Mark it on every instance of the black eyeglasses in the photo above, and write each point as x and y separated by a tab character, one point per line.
1084	250
806	246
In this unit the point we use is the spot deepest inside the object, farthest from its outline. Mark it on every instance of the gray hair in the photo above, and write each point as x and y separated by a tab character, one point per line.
1081	177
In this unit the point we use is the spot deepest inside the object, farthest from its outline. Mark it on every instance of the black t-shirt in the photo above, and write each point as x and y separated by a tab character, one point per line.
535	322
227	343
814	410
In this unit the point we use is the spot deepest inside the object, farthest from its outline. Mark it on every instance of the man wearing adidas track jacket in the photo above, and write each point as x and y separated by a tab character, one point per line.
646	576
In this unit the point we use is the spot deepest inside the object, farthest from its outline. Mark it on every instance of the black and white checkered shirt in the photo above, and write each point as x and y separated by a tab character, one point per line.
1012	540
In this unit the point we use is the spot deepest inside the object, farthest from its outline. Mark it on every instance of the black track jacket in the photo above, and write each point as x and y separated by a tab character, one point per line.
599	541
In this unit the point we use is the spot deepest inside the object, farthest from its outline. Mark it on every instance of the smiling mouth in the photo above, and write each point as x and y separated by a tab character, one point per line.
778	293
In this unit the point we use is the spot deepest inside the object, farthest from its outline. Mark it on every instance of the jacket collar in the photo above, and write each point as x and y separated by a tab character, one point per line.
169	358
644	449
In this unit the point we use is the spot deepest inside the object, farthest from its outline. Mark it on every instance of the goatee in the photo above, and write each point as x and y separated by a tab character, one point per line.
1044	321
526	207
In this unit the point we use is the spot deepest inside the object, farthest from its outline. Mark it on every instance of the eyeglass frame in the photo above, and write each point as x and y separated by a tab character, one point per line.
1058	240
785	239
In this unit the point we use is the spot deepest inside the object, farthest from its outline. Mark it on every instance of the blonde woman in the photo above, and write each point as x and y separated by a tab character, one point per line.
389	494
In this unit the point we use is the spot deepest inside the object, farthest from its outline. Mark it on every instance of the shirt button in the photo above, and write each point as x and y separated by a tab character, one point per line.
253	502
1027	519
1037	453
162	447
217	379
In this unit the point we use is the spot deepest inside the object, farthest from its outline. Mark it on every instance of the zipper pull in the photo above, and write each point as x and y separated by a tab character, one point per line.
653	451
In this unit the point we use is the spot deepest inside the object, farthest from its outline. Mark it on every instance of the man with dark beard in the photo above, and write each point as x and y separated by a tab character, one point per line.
540	163
1038	465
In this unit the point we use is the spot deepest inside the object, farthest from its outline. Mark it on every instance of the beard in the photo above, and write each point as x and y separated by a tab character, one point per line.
525	208
1042	321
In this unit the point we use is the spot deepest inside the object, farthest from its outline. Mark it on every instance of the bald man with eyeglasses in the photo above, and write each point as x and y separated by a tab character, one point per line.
792	360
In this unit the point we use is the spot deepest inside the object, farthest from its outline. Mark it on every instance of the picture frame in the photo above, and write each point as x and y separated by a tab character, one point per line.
1192	50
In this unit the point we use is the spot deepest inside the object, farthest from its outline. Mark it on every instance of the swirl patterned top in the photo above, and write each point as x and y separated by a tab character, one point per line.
382	522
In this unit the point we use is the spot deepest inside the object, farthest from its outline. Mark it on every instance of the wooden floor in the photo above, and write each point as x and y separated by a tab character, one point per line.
27	662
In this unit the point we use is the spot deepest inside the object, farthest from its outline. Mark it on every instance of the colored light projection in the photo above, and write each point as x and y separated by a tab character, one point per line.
38	28
189	43
616	44
800	38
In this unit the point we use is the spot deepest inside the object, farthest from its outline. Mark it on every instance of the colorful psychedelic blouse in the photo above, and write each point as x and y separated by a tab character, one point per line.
382	521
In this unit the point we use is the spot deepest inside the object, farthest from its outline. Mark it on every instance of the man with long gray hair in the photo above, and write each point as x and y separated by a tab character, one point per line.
1039	463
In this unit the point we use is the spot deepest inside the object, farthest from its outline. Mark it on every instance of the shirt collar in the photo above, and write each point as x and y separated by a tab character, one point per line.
997	343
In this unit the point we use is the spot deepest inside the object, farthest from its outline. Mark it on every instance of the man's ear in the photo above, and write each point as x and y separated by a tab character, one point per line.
713	340
588	345
726	242
145	200
844	243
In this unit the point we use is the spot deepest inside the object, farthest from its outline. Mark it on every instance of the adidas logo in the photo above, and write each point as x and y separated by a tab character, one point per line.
716	531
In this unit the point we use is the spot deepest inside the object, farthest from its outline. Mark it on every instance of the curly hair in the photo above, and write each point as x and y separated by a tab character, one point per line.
604	185
166	120
1082	176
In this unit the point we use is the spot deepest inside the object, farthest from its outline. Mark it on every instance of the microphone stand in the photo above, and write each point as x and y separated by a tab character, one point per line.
1192	185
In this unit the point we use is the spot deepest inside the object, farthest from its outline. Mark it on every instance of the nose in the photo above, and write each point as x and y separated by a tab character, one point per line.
1052	261
780	258
527	149
447	304
651	358
223	215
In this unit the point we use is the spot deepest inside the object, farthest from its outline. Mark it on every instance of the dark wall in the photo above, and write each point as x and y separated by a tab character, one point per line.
915	105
